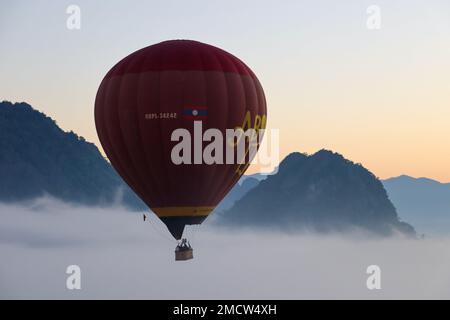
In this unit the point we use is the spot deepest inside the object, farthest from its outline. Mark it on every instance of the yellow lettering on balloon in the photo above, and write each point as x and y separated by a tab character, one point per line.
247	121
258	122
263	121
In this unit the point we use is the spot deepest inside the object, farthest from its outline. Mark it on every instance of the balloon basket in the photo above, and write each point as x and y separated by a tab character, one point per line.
184	251
184	255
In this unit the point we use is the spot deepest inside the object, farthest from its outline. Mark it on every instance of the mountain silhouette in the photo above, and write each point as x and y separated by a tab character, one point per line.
245	184
421	201
322	192
37	158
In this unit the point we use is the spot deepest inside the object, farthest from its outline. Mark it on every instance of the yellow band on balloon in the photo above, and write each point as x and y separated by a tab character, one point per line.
182	211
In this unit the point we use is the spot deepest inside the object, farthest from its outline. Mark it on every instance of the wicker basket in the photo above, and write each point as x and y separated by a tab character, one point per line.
186	254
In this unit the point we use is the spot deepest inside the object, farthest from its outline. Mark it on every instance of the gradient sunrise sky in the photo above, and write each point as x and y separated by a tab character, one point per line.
379	97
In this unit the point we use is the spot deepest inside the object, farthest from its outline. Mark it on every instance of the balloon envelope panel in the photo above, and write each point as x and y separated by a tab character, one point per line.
159	89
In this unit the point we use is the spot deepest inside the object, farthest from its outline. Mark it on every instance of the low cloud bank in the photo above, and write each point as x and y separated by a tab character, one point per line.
122	257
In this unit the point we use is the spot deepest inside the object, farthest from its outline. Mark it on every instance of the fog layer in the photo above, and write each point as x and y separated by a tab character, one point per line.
121	256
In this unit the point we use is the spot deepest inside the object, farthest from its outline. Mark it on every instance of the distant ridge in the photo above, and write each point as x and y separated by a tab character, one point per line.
422	201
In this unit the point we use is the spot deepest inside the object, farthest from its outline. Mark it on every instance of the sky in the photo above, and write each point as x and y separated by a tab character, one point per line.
379	97
120	257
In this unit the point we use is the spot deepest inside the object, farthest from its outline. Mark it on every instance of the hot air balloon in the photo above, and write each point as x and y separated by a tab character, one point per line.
176	84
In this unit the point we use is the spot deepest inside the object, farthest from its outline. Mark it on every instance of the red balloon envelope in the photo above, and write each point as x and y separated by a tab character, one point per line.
168	86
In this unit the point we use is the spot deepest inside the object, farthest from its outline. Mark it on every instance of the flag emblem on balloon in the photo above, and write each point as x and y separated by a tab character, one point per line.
195	113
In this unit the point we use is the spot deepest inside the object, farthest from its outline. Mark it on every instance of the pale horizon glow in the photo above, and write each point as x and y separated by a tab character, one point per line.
378	97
